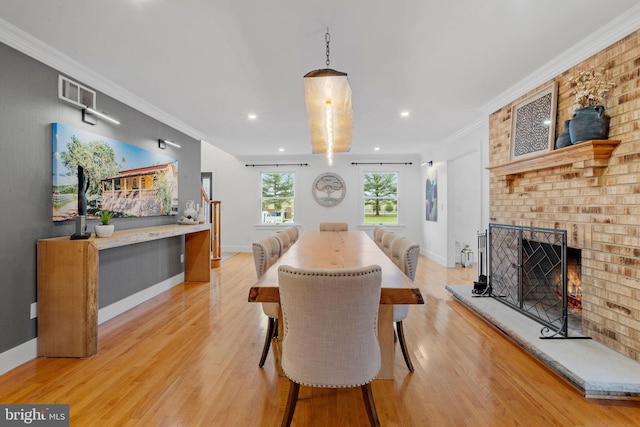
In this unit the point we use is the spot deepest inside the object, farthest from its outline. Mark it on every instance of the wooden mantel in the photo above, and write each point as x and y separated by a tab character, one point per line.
588	154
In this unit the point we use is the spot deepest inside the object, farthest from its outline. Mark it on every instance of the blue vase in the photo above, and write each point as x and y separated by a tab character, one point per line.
589	123
564	140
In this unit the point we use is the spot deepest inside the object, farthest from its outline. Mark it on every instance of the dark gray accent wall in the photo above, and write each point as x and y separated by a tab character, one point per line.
28	105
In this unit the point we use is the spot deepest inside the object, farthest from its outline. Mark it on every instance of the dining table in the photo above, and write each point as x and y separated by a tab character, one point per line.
331	250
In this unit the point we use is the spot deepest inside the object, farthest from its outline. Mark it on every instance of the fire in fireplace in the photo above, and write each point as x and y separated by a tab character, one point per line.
574	282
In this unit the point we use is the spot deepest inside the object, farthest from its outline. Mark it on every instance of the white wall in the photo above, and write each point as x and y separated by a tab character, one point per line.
238	187
463	205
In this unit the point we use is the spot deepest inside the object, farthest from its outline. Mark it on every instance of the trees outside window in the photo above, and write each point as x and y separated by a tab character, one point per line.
277	197
380	197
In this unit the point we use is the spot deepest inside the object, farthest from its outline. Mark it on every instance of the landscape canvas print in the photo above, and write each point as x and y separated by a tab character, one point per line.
126	180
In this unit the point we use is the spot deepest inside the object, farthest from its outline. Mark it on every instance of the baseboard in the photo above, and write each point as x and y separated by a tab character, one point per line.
27	351
111	311
236	249
434	256
16	356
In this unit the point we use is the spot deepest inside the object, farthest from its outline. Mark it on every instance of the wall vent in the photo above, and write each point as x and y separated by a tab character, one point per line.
75	93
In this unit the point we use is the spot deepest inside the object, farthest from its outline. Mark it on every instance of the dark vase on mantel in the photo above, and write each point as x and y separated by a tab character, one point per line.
564	139
589	123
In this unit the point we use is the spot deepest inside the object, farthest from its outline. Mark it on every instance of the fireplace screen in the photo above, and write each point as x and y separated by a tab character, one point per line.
528	271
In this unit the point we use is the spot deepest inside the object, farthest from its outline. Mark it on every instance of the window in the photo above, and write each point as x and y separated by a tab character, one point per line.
380	191
277	198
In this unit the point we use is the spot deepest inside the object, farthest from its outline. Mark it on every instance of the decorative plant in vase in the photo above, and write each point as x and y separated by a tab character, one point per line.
104	229
591	89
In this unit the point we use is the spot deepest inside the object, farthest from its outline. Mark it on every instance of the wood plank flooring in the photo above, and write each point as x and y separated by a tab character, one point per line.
189	357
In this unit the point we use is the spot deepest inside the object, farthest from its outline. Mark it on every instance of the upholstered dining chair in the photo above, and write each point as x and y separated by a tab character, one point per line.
266	252
405	255
334	226
292	232
387	241
330	331
378	232
285	241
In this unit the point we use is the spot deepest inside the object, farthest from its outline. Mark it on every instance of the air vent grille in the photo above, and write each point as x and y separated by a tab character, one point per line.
75	93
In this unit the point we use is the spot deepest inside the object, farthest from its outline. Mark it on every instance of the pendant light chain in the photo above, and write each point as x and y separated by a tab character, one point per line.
327	39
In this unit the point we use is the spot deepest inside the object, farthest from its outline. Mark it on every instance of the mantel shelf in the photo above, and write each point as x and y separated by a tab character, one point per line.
587	154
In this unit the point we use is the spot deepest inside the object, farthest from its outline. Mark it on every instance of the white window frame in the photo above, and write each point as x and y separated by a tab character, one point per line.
295	192
381	170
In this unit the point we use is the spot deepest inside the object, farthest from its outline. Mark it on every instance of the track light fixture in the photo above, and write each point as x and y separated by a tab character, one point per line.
89	116
162	143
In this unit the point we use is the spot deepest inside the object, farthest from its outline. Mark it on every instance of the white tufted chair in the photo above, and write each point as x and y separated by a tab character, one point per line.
292	232
330	331
405	254
265	253
334	226
285	241
387	241
378	232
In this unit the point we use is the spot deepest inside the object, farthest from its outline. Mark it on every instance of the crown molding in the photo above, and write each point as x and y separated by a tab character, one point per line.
37	49
605	36
471	127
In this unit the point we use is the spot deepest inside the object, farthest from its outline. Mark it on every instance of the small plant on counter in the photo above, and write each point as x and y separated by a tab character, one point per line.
105	217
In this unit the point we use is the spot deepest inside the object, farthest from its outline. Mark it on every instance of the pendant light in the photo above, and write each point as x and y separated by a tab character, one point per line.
328	97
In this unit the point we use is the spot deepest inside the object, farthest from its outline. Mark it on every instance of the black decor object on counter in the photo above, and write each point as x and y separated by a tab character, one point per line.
81	219
564	139
589	123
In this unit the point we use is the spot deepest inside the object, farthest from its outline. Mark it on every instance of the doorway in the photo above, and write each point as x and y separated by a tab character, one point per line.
206	179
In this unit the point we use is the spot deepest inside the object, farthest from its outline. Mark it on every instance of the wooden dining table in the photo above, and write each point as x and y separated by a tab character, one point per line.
337	250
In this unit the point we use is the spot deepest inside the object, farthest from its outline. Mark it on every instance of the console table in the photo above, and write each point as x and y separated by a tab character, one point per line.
68	283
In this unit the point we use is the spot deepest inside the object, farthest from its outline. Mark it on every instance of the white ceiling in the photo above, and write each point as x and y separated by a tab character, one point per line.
208	64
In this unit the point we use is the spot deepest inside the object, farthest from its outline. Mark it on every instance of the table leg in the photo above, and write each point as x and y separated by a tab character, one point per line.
385	339
276	344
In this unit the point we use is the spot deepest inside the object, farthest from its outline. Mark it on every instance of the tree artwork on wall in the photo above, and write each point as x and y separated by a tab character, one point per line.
126	180
328	189
431	205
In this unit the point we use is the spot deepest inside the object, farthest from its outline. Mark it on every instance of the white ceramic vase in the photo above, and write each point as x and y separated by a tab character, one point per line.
104	230
190	212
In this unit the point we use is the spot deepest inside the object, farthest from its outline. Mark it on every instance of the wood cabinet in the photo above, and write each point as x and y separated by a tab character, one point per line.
68	283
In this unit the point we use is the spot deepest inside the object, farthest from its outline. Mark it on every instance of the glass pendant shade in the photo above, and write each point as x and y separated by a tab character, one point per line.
328	97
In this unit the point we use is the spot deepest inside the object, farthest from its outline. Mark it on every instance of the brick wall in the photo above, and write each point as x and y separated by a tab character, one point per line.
599	208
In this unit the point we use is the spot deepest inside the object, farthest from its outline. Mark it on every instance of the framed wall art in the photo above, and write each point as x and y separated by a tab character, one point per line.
124	179
431	194
533	123
328	189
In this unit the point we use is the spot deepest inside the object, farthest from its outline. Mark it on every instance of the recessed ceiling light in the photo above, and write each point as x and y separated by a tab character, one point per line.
376	148
404	113
252	116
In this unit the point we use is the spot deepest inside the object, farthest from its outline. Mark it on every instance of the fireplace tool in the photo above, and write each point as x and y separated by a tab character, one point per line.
481	287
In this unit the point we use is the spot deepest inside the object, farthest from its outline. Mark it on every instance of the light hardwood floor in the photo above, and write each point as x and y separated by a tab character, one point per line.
189	357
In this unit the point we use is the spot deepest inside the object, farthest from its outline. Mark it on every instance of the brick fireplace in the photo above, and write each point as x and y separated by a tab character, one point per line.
596	199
